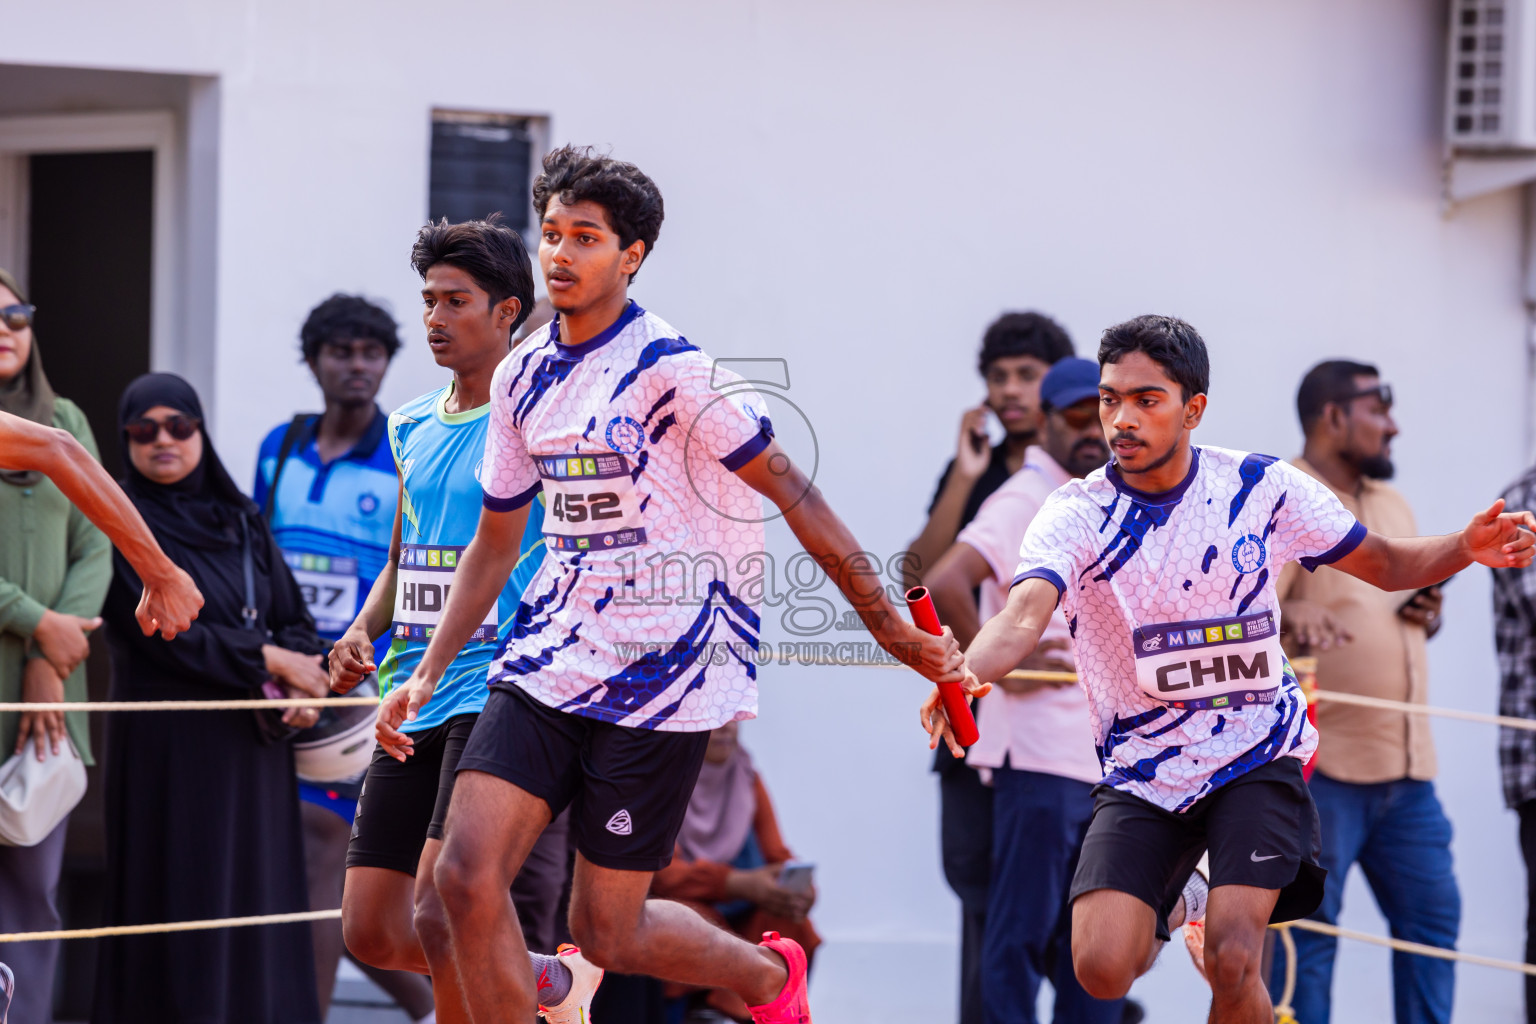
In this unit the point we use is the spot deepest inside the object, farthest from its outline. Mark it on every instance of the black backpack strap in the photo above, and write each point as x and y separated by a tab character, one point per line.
285	449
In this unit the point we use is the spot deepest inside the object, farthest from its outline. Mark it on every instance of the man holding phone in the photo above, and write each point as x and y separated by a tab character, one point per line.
1373	779
1016	352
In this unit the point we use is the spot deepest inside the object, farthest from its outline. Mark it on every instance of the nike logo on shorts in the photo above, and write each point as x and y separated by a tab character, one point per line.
1254	856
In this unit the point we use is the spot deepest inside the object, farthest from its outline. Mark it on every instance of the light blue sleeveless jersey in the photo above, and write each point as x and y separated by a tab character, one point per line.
438	455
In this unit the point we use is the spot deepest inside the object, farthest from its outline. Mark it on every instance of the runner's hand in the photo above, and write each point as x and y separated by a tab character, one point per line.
399	707
936	723
351	661
40	684
937	657
169	606
1502	540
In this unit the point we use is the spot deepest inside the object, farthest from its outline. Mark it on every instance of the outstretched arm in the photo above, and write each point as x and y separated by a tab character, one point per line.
170	600
818	528
1502	540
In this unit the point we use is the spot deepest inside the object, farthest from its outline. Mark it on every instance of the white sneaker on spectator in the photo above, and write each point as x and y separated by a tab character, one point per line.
576	1008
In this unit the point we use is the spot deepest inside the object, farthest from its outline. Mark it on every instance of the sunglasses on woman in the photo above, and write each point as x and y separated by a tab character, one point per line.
18	316
144	430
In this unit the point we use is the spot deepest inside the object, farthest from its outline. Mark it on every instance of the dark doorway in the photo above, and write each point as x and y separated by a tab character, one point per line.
89	273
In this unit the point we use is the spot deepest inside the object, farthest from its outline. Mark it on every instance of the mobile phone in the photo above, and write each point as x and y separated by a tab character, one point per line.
797	875
1424	592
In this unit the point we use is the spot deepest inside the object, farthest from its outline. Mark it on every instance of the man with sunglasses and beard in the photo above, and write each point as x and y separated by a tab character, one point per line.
1035	748
1373	778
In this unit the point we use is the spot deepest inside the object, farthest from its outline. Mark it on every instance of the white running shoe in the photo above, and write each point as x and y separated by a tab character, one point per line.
577	1006
7	989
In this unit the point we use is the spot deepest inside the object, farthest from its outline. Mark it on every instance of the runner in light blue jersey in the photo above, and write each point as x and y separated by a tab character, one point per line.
438	454
477	288
326	484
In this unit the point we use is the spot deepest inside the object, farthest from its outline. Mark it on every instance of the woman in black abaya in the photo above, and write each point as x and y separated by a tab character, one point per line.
202	819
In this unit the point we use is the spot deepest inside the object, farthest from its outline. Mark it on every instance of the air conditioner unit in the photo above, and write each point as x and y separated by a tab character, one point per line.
1491	79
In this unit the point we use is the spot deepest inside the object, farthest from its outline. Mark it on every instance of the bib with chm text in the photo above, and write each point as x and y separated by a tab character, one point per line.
329	586
590	502
1210	663
421	592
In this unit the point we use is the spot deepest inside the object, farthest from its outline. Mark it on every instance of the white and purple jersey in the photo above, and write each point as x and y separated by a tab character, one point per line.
634	438
1171	600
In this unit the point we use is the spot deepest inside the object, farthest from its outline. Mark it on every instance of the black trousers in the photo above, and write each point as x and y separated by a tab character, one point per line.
965	828
1527	813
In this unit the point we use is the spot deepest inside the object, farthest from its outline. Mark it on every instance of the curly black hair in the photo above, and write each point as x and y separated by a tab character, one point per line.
1171	343
347	318
631	200
1024	334
492	254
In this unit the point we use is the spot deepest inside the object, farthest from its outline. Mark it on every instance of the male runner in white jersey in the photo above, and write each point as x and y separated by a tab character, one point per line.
646	452
1165	564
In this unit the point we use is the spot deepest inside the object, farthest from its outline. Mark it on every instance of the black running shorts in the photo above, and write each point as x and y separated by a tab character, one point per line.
403	804
627	788
1261	829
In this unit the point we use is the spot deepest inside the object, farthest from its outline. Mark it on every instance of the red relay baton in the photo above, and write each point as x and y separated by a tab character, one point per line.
926	618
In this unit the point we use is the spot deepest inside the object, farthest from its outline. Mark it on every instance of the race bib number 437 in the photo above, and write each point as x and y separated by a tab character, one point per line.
1210	663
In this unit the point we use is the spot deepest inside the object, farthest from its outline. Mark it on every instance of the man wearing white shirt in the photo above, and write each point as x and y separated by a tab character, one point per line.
1035	738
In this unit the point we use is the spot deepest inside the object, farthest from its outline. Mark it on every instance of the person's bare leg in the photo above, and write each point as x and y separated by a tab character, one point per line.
376	913
1235	924
1114	941
432	930
491	826
325	862
411	992
620	930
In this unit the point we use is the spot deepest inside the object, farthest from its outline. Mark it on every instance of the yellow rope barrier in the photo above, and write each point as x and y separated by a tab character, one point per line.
1285	1013
1403	946
193	705
178	926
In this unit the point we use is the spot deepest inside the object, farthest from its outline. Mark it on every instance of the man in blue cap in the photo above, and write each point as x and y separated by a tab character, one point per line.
1035	744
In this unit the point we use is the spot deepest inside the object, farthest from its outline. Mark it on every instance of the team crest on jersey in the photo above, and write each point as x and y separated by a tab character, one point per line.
1248	554
367	503
625	435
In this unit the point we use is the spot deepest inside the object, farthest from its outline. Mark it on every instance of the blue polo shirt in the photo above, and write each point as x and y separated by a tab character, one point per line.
333	520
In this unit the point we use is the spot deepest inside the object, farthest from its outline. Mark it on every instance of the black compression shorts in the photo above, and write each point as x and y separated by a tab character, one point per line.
1261	829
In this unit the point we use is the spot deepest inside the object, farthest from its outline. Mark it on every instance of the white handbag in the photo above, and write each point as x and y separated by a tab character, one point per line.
36	795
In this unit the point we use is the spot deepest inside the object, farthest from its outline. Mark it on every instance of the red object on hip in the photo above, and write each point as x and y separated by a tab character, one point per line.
926	618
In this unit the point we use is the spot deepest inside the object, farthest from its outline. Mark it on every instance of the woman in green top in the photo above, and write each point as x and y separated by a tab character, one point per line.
54	571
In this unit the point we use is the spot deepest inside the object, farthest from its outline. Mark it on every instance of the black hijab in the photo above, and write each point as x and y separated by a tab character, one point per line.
203	509
28	394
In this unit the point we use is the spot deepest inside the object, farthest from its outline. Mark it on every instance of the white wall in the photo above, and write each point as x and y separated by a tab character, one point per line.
859	188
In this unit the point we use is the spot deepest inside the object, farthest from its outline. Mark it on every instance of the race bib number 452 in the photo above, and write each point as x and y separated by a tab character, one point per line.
590	503
1210	663
425	576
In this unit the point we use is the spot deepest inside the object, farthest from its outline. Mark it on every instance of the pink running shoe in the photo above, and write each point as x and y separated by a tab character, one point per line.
792	1006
